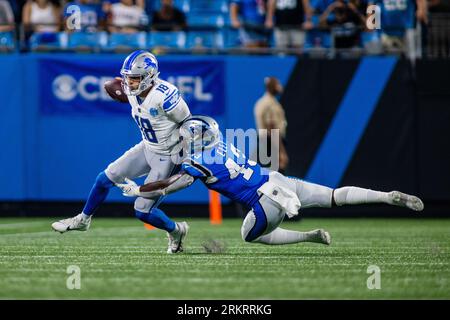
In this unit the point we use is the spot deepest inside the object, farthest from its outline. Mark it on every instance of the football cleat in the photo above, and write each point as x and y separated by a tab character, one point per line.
319	236
401	199
76	223
176	241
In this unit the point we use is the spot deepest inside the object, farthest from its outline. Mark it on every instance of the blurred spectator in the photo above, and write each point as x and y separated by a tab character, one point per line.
317	7
168	18
41	16
249	16
398	23
92	18
269	114
107	5
6	16
125	17
346	20
289	18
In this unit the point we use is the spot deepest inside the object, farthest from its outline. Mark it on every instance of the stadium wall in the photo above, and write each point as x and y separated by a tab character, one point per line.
379	122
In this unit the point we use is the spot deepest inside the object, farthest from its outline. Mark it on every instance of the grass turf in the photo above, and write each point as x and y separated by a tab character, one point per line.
119	258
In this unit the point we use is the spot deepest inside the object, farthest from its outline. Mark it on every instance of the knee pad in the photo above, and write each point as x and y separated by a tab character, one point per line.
144	205
247	226
103	181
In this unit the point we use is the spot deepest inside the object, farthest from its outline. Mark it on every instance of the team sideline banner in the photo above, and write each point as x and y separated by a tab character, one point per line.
76	86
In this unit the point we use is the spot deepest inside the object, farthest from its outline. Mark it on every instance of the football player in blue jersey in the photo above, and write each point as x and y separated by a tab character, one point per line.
269	194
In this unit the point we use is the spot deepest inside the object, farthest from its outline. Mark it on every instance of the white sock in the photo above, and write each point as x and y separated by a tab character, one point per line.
85	216
355	195
176	230
283	236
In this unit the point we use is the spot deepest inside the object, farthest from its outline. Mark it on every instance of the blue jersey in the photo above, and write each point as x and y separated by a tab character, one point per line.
226	170
320	5
251	11
397	15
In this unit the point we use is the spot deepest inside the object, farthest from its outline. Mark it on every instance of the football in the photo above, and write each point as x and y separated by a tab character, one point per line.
115	91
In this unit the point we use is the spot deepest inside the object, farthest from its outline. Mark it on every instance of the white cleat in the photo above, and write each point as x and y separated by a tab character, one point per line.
76	223
405	200
176	241
320	236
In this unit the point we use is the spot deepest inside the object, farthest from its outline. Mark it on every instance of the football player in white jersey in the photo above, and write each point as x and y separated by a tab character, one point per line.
158	109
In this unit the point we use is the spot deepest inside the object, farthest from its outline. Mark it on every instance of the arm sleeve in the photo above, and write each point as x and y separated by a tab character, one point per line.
175	107
192	170
184	181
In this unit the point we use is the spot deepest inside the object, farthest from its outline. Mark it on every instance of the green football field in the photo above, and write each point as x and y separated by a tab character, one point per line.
119	258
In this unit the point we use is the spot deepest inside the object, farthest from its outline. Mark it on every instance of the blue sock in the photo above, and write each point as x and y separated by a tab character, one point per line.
98	193
157	218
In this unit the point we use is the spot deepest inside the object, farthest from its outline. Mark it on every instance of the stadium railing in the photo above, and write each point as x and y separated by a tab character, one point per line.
438	36
214	35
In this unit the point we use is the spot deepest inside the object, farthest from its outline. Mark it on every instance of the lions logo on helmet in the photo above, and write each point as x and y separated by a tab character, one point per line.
199	133
139	71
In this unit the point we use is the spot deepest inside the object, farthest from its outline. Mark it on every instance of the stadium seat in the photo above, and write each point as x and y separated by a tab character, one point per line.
217	6
205	20
87	40
205	39
167	39
7	42
317	39
46	41
371	42
118	41
231	37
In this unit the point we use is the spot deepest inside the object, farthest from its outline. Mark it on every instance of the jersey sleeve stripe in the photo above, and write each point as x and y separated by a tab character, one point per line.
170	95
171	106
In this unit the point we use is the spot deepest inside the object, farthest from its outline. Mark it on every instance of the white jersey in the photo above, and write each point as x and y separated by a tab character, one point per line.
126	16
159	116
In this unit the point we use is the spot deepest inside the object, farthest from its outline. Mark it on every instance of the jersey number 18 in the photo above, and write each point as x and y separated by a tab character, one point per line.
146	129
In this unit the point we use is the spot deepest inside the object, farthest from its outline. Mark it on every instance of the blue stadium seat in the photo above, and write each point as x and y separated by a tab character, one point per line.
126	41
46	41
217	6
206	20
205	39
231	37
87	40
372	36
7	42
317	39
167	39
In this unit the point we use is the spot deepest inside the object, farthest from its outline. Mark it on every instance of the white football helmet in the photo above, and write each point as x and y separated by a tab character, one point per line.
139	67
199	133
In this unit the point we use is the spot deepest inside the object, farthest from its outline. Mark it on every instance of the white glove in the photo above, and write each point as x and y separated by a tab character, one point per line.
129	189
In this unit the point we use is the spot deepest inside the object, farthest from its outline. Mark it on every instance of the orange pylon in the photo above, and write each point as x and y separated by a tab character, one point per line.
215	208
148	226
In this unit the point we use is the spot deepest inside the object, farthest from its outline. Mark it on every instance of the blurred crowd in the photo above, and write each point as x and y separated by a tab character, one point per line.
283	24
125	16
